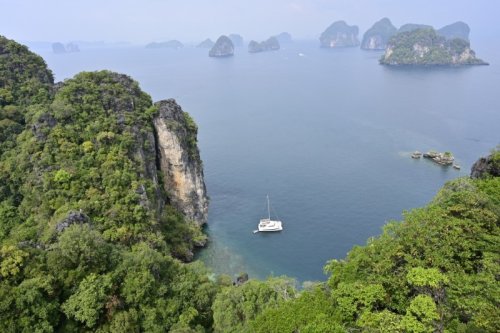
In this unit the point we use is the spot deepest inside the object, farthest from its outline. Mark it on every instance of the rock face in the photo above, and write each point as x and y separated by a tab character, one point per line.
424	47
284	38
180	162
70	219
489	165
236	39
207	44
455	30
223	48
378	35
171	44
270	44
339	34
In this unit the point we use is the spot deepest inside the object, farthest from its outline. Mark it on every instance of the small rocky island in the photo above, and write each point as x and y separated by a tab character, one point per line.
171	44
378	35
340	34
425	47
444	159
284	38
68	48
223	47
271	44
206	44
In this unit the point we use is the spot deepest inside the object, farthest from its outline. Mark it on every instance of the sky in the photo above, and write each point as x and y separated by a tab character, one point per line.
145	21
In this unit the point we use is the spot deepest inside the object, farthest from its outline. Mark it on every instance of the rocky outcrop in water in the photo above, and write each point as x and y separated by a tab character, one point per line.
486	166
424	47
206	44
223	48
284	38
236	39
340	34
270	44
179	161
455	30
68	48
378	35
171	44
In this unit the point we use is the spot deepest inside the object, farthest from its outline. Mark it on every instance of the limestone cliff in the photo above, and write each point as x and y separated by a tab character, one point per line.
340	34
378	35
223	47
424	47
179	161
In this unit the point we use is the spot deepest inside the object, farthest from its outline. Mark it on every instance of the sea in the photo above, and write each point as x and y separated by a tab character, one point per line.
326	133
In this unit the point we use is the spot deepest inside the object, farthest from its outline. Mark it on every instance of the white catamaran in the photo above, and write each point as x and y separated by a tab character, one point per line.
268	224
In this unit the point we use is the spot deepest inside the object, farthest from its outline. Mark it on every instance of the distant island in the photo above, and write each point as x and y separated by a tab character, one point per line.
284	38
271	44
68	48
425	47
413	26
171	44
207	43
223	47
378	35
455	30
236	39
340	34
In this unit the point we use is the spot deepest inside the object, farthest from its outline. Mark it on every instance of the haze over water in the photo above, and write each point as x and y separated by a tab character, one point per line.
326	133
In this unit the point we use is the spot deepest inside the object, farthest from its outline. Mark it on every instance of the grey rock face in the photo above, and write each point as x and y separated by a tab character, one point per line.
70	219
340	34
485	166
223	48
180	162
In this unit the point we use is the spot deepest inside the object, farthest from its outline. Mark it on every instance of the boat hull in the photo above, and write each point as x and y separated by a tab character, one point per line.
270	226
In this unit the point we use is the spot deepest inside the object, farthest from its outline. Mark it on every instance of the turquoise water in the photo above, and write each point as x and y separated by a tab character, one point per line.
326	133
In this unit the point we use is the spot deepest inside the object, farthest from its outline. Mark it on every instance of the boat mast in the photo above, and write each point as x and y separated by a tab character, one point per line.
268	210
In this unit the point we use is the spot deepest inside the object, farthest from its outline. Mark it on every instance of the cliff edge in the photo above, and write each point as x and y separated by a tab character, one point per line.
179	161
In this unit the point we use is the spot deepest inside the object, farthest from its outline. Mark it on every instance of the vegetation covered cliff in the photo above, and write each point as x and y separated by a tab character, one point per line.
223	47
88	234
378	35
339	34
424	47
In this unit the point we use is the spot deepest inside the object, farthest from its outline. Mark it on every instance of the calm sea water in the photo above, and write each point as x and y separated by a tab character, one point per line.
326	133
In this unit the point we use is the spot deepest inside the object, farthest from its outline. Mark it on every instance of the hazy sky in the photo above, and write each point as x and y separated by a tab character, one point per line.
193	20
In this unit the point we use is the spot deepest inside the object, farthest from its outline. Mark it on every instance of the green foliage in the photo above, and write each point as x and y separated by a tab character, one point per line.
86	304
235	306
424	46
